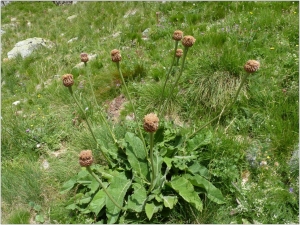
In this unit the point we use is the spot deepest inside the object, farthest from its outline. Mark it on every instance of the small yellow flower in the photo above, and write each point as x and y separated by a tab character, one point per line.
251	13
39	95
268	157
31	125
272	48
297	45
295	12
39	108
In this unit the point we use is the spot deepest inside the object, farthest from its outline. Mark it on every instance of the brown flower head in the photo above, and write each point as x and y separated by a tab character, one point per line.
85	158
188	41
84	57
178	34
151	122
68	80
115	55
179	53
251	66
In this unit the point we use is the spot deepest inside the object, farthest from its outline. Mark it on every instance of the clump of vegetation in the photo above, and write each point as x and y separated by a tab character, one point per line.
188	135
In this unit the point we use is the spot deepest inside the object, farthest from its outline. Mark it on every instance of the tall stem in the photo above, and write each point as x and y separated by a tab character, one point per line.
152	163
101	114
177	79
226	108
168	74
87	120
134	111
88	168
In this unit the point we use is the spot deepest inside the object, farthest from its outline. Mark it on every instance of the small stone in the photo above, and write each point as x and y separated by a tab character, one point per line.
16	103
71	17
45	164
72	40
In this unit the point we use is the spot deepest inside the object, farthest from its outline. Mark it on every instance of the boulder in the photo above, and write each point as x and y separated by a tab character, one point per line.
26	47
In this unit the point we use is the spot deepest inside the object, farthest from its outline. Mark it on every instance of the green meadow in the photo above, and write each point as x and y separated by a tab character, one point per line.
226	149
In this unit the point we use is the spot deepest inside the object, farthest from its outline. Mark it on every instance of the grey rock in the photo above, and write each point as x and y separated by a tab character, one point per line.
72	40
26	47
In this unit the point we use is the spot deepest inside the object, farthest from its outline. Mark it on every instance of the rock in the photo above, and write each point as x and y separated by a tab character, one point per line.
73	39
16	103
71	17
26	47
4	3
130	13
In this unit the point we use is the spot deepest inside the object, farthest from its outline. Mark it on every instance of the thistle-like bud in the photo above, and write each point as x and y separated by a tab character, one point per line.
251	66
68	80
85	158
179	53
188	41
115	55
178	34
84	57
151	122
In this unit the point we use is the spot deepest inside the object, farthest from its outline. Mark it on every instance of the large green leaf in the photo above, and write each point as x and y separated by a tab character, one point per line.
170	201
136	155
117	189
197	168
137	199
99	201
213	193
152	208
186	190
68	185
199	140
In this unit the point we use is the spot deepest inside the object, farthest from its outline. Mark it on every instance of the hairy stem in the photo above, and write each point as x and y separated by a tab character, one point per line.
134	111
88	168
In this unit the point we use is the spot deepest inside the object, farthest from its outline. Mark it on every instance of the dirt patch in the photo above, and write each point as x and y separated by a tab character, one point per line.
115	107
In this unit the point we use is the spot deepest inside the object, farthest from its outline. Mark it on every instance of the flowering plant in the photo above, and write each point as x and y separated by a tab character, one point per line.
149	169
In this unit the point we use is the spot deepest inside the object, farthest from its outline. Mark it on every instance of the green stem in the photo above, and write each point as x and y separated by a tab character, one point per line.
152	163
168	74
87	120
101	114
185	51
226	108
88	168
134	111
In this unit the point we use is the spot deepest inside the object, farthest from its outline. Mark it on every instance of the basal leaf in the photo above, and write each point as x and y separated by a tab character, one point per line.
152	208
117	189
99	201
170	201
186	190
197	168
137	199
68	185
213	193
136	154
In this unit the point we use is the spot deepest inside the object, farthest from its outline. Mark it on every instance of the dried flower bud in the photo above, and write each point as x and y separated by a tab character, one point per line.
179	53
251	66
178	34
115	55
188	41
85	158
68	80
151	122
84	57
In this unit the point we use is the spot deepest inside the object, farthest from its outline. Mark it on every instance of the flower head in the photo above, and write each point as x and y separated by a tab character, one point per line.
151	122
68	80
188	41
85	158
179	53
251	66
84	57
115	55
178	34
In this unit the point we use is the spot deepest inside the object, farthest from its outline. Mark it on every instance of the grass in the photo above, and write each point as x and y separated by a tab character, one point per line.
262	126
